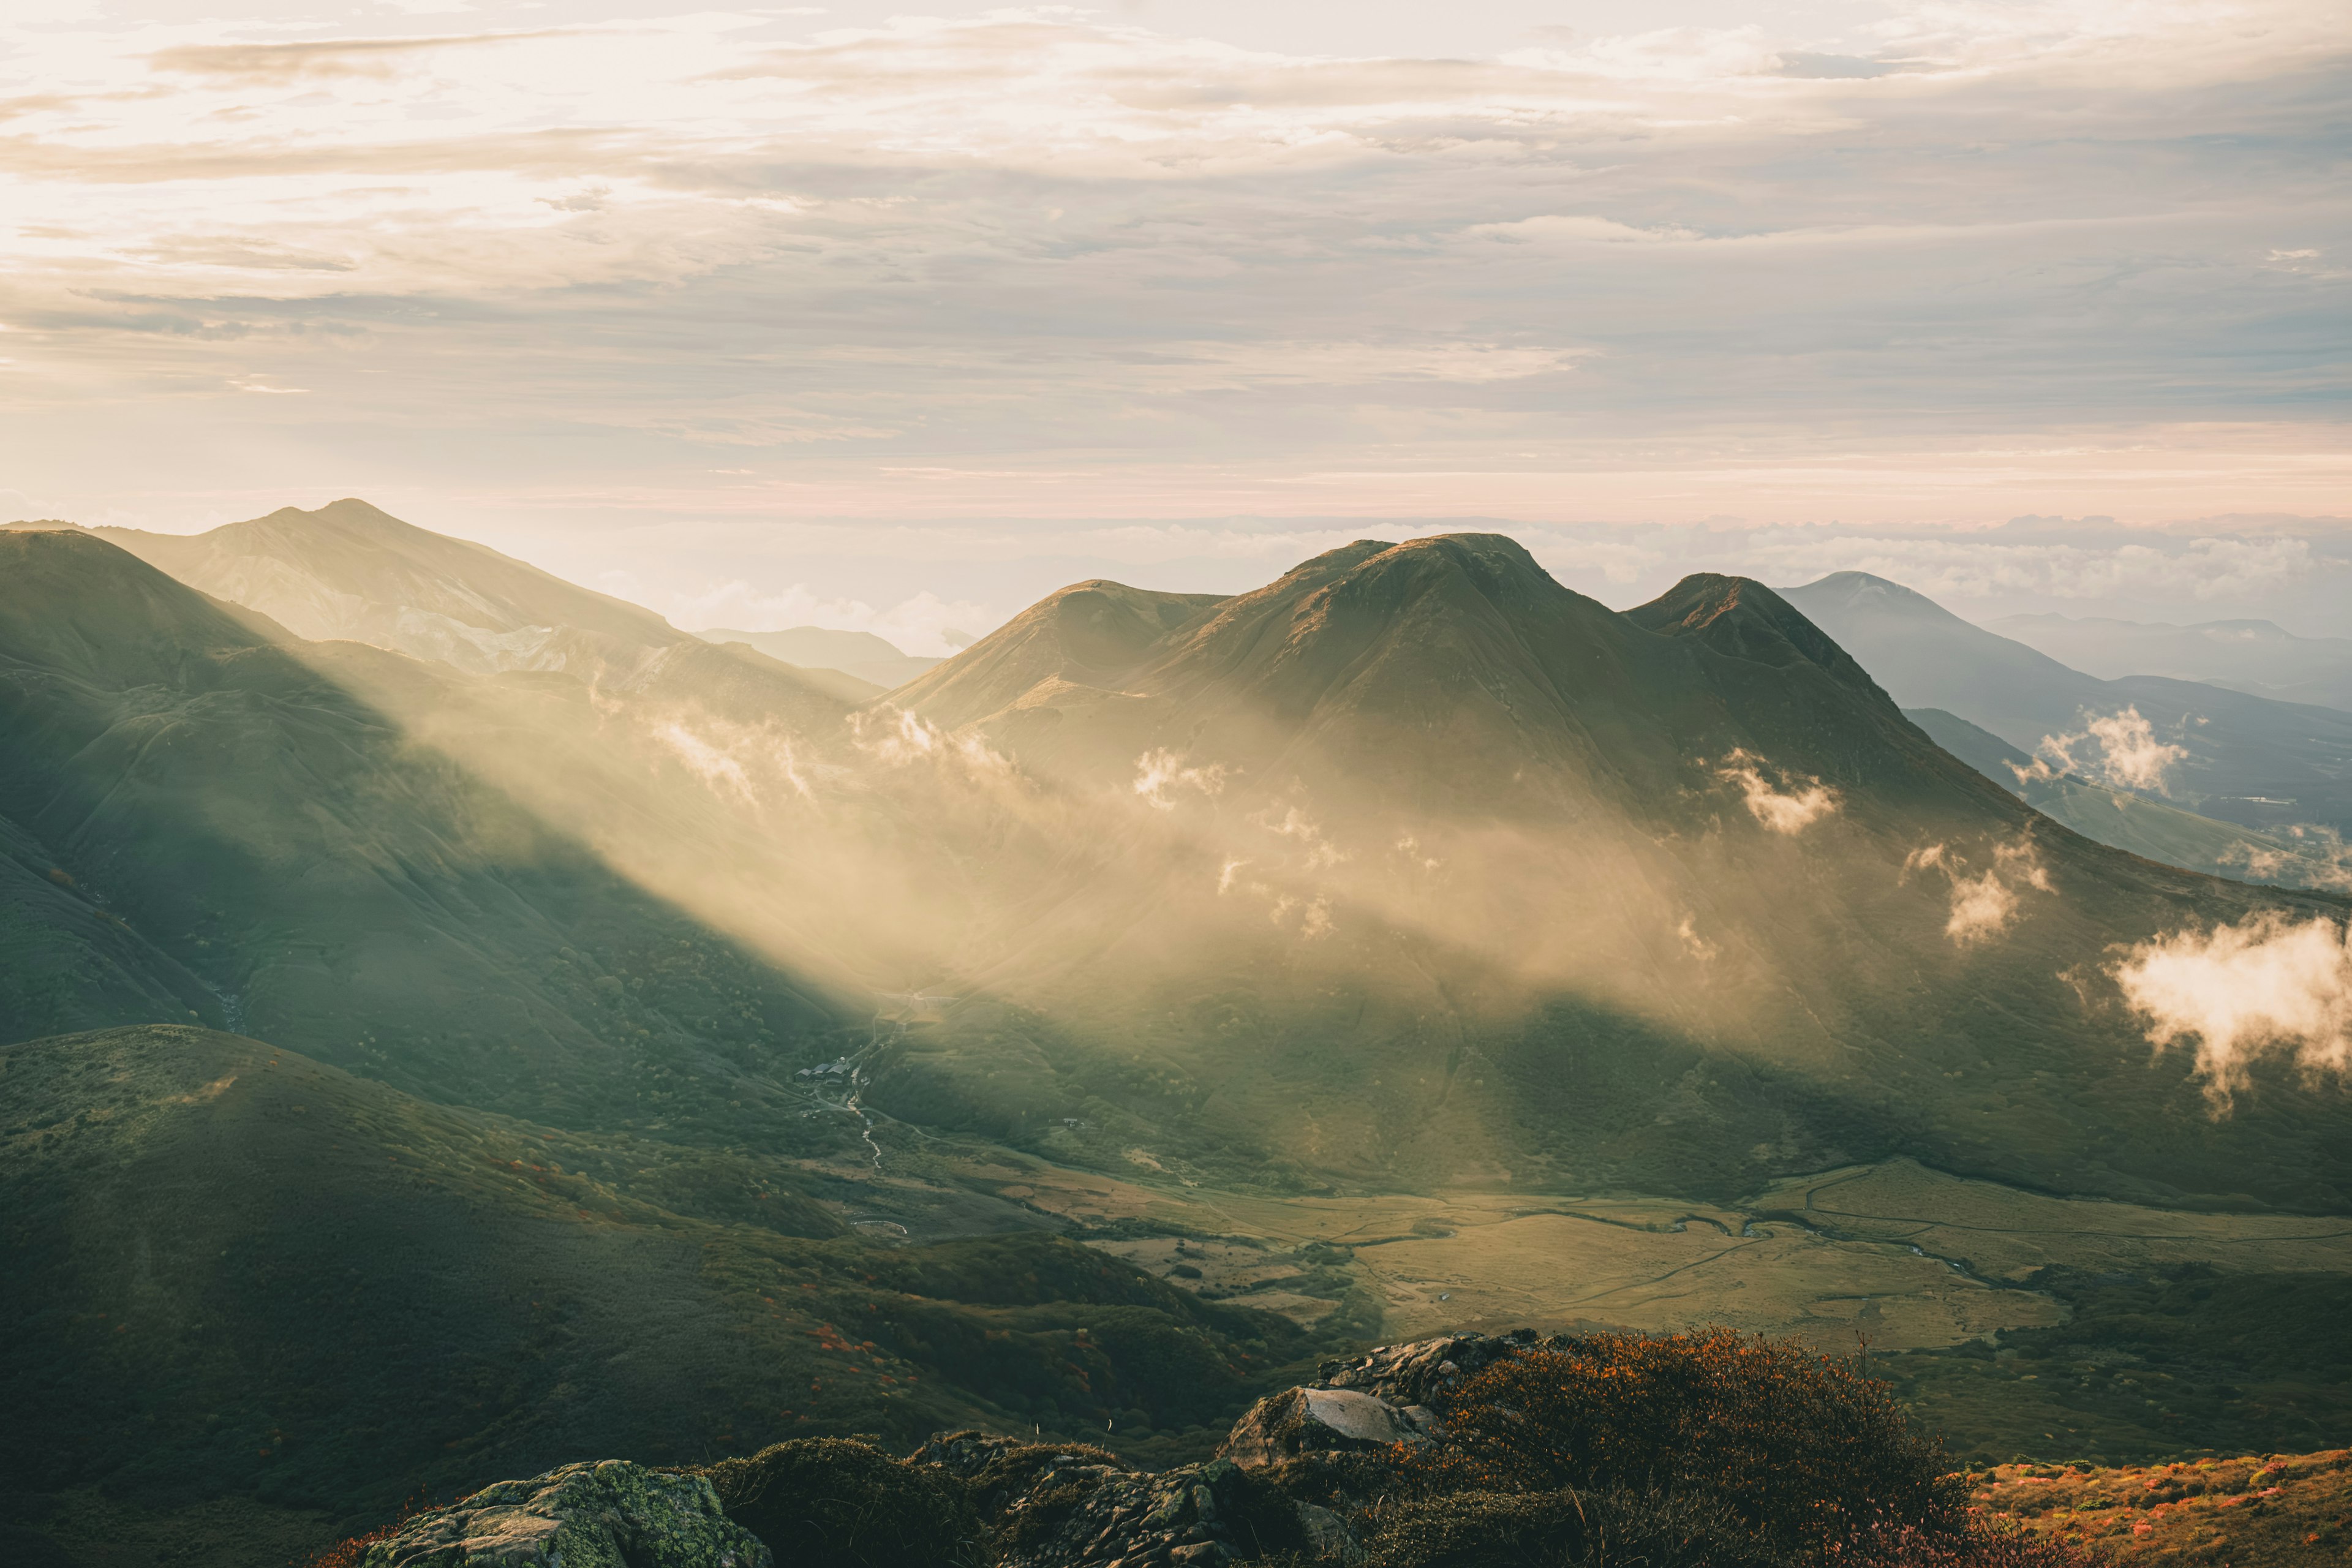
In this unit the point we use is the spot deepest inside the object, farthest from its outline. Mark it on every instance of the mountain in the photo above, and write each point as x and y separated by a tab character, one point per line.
2138	824
350	571
1415	866
861	654
241	1275
2226	755
216	819
2256	657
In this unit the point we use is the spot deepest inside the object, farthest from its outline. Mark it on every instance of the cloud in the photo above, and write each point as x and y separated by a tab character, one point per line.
1787	807
1698	946
2267	986
1316	851
2120	749
260	63
1051	264
1160	771
1986	903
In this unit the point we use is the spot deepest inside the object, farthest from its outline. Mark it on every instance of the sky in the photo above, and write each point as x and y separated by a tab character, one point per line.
898	316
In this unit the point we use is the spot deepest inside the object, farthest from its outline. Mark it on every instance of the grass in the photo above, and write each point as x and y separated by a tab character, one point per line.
240	1274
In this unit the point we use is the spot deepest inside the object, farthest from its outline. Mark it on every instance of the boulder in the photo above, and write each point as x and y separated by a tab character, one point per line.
1320	1421
610	1514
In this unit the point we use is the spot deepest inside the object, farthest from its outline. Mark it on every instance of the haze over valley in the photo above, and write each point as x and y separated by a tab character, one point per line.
1497	786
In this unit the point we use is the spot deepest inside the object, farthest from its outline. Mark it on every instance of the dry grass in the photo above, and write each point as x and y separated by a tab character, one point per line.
2255	1511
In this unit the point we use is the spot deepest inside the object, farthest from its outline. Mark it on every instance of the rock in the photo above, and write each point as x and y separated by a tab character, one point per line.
1327	1535
1422	1373
611	1514
1318	1420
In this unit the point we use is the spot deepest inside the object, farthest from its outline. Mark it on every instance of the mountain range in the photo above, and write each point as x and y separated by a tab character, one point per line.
683	991
2257	657
2227	754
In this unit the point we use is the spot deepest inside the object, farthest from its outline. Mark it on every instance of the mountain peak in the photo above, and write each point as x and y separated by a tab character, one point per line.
1860	592
1743	618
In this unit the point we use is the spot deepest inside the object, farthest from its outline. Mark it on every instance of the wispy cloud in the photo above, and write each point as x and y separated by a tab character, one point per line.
1786	802
1046	264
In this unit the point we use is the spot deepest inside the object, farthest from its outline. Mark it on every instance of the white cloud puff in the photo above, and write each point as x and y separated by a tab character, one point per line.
1985	903
2265	987
1789	807
2120	749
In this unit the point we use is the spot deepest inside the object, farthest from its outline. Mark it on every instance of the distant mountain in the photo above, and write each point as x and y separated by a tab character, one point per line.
350	571
1412	867
861	654
2136	824
2241	758
1432	866
2256	657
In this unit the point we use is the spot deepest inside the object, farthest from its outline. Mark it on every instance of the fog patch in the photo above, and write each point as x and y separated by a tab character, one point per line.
2318	858
727	757
1316	850
1789	807
2118	749
1698	946
1984	903
2266	986
1160	771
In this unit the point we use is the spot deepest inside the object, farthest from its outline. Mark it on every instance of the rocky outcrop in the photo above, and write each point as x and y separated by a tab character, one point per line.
1376	1401
1079	1507
1019	1504
611	1514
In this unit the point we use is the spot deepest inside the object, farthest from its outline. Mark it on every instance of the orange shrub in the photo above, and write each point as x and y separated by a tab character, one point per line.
1807	1450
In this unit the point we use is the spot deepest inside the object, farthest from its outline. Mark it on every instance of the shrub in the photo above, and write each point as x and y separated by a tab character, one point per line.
1805	1450
834	1502
1566	1529
1909	1547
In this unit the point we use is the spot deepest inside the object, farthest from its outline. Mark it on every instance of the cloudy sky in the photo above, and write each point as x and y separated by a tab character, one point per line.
894	314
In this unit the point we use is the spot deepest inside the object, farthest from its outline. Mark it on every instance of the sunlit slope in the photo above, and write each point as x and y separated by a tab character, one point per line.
235	1270
351	571
1438	869
2134	823
2248	759
238	806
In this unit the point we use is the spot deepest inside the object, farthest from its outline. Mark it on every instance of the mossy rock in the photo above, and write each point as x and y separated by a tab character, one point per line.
613	1514
832	1502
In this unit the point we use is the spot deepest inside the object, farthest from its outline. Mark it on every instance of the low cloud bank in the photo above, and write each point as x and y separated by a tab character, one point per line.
2267	986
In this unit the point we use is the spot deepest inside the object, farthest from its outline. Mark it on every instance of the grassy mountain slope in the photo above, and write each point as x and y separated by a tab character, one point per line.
1448	870
2248	760
348	571
236	1270
2134	823
239	809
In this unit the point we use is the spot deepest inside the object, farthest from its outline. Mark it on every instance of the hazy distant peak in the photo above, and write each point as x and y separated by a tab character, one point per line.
1860	591
351	571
